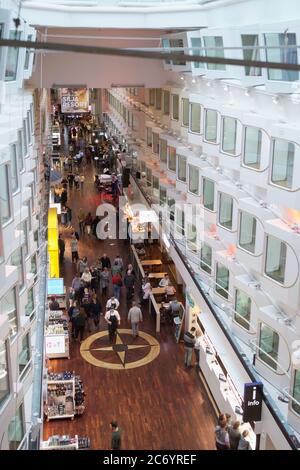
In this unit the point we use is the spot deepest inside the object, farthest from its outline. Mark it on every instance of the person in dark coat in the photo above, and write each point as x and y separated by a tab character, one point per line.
80	321
129	281
95	311
61	247
73	312
105	261
115	436
64	197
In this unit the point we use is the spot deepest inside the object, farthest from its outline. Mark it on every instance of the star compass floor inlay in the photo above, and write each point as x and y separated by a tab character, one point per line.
127	352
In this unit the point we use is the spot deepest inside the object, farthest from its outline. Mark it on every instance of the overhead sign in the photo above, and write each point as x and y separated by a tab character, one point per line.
252	401
74	100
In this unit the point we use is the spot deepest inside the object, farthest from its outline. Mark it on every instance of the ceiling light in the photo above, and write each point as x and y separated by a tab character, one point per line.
181	77
193	80
275	99
225	88
208	83
247	92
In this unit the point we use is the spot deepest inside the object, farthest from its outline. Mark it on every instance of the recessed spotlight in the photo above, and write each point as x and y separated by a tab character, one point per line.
225	88
208	83
275	99
247	92
193	80
181	77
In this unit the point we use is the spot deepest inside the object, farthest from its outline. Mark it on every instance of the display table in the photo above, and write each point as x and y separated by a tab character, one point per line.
65	396
151	262
156	275
160	290
60	399
60	443
65	443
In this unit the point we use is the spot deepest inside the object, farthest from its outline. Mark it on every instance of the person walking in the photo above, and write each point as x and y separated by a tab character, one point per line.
135	317
189	343
115	436
82	180
64	197
146	290
129	281
77	181
113	320
81	219
74	249
61	247
69	216
80	321
82	265
88	223
244	444
77	286
118	260
104	281
70	179
73	313
197	346
70	297
64	216
115	269
234	435
112	301
95	311
105	261
117	284
221	434
86	278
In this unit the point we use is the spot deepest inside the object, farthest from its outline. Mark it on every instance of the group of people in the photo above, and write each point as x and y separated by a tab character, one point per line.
192	342
169	290
102	275
84	305
229	436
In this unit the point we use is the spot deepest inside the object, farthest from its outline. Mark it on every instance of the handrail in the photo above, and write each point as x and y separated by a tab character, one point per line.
234	347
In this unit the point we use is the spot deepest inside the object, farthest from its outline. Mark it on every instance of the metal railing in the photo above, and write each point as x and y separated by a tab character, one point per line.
285	428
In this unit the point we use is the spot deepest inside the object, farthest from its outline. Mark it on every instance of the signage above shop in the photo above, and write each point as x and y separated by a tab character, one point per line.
74	100
252	401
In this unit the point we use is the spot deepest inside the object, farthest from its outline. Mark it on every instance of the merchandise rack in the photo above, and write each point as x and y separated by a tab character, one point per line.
65	443
57	443
54	386
63	389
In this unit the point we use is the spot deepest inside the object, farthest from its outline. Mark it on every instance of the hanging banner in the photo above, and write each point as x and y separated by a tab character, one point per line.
74	100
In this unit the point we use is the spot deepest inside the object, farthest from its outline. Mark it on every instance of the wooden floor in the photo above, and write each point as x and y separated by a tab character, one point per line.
160	405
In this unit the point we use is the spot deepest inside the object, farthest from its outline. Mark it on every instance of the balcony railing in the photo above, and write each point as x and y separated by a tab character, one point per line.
221	316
